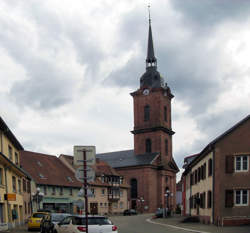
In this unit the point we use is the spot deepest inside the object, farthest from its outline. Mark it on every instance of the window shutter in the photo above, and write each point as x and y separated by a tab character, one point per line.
229	164
229	198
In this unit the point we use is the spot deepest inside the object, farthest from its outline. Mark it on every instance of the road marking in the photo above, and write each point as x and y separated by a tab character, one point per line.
180	228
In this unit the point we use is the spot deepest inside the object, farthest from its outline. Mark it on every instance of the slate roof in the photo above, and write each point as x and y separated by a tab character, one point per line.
47	169
126	158
9	134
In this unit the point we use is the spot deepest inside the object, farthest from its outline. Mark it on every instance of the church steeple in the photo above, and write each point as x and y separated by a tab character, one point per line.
151	59
151	78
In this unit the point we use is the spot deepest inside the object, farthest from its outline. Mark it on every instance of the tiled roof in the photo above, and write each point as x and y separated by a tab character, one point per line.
126	158
47	169
101	167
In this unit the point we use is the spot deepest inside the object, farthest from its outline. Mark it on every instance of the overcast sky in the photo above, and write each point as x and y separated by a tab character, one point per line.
67	68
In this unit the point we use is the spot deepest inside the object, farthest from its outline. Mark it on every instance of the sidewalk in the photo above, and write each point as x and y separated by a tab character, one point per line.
200	227
19	229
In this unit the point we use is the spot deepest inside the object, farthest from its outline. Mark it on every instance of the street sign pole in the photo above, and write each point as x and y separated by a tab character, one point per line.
85	188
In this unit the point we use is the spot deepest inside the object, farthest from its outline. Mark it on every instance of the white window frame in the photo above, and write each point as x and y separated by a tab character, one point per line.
241	197
241	163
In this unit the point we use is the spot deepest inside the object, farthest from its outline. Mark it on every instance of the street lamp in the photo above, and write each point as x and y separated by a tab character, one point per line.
141	201
37	197
167	204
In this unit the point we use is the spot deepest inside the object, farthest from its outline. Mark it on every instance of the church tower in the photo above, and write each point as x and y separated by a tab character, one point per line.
152	111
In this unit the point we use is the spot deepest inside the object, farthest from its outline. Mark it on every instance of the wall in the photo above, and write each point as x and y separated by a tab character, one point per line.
203	186
235	143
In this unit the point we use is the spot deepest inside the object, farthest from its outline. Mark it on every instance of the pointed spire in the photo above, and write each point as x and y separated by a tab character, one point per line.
151	60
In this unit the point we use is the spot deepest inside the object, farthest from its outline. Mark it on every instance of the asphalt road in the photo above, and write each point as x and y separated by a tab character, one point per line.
139	224
144	224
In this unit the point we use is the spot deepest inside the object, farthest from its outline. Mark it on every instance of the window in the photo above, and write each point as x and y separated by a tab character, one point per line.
121	193
146	113
199	174
69	179
241	163
241	197
191	179
19	186
204	170
45	190
53	191
121	205
16	158
101	204
25	207
209	199
93	191
165	114
195	177
210	167
166	146
39	164
10	153
103	192
28	186
14	184
24	185
148	145
70	191
121	180
1	176
61	190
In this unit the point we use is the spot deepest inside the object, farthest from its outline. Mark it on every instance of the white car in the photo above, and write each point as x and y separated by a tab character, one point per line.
77	224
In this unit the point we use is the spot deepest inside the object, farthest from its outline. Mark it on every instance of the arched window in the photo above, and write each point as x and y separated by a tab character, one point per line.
165	114
148	145
146	113
166	146
133	184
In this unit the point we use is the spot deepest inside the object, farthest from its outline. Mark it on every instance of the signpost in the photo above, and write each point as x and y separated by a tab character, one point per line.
84	156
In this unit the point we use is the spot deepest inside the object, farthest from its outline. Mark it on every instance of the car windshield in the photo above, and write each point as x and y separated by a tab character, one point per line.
38	215
58	217
91	221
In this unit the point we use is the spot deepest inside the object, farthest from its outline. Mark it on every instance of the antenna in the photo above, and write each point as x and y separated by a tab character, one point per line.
149	17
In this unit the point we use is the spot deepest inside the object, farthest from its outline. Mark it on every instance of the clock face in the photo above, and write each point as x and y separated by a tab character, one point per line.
146	92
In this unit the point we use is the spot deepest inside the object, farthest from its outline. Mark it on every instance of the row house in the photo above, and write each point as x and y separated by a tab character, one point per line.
55	186
217	179
13	209
109	189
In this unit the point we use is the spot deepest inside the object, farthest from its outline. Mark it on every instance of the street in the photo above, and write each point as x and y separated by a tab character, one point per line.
145	224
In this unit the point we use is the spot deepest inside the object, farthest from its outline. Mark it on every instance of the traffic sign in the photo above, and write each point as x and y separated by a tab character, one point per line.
79	174
81	193
90	155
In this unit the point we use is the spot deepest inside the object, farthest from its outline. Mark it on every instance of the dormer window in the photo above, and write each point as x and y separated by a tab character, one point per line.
69	179
39	164
41	175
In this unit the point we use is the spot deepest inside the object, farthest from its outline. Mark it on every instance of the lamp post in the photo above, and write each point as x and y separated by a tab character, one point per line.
37	197
141	201
167	204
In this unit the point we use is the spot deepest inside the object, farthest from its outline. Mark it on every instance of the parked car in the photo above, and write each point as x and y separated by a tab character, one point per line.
129	212
34	220
49	221
77	224
159	213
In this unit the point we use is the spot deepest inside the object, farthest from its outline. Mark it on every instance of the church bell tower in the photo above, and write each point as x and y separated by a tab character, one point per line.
152	111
